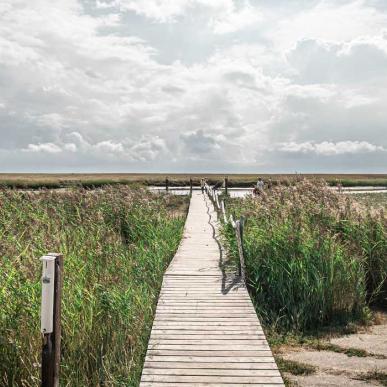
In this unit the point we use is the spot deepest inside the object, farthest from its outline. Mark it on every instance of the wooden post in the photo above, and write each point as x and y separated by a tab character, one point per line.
239	235
226	185
166	184
217	201
190	186
224	212
52	282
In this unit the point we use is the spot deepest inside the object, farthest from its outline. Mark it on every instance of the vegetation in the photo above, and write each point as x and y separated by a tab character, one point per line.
375	200
36	181
117	244
374	376
313	257
326	346
294	367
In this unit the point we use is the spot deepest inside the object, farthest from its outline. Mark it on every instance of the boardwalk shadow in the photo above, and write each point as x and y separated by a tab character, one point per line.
230	281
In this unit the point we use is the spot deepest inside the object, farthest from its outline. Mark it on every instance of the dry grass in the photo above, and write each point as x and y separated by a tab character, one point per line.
93	180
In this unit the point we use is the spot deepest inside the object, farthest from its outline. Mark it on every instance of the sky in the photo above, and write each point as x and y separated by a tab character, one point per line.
193	86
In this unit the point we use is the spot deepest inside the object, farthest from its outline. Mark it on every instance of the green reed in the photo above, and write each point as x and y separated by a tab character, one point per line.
116	245
313	257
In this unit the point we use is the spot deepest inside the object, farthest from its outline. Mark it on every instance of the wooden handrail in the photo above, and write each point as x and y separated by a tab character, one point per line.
236	225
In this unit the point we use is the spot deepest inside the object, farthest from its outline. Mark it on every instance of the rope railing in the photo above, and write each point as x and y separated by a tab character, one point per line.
237	225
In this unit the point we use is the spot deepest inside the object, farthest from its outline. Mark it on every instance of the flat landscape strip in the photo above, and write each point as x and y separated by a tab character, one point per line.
205	332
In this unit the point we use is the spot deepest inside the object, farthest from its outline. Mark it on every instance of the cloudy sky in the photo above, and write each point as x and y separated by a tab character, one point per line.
193	85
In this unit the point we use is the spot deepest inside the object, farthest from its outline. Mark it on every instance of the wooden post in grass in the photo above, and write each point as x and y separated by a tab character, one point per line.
166	184
52	281
239	235
226	185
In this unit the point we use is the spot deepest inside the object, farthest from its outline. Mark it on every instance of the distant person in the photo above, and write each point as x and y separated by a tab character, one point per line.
258	189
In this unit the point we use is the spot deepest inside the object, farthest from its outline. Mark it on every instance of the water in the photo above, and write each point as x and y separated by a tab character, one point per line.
243	192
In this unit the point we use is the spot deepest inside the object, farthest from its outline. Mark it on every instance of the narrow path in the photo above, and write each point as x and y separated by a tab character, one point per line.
205	332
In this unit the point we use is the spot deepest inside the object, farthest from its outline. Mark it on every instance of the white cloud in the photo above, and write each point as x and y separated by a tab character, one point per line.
327	20
109	147
327	148
224	16
359	60
48	147
146	148
233	20
70	147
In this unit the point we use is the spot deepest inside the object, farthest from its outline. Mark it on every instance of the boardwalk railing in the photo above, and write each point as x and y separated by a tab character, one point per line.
237	225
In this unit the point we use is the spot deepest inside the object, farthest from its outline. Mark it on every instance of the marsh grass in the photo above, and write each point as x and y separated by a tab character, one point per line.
313	257
90	181
117	244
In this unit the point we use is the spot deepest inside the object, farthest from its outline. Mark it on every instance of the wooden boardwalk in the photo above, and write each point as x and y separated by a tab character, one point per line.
205	332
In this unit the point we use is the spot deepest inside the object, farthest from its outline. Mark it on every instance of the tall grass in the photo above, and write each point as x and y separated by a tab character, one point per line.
90	181
117	244
313	257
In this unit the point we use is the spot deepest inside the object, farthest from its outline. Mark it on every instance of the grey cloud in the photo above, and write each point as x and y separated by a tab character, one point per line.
198	142
324	62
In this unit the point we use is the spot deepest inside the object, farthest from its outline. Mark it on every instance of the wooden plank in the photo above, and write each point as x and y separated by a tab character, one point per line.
204	344
210	372
197	318
208	348
210	359
211	365
217	321
195	329
211	379
178	335
205	303
210	352
172	384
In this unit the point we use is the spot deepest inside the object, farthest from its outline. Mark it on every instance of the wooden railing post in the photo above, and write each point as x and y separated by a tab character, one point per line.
52	280
190	185
239	234
224	212
166	184
226	185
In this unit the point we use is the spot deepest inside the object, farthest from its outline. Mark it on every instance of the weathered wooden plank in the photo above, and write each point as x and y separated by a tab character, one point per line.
224	348
211	365
197	384
217	321
211	379
199	335
205	303
198	318
200	329
204	311
209	359
197	343
209	352
210	372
